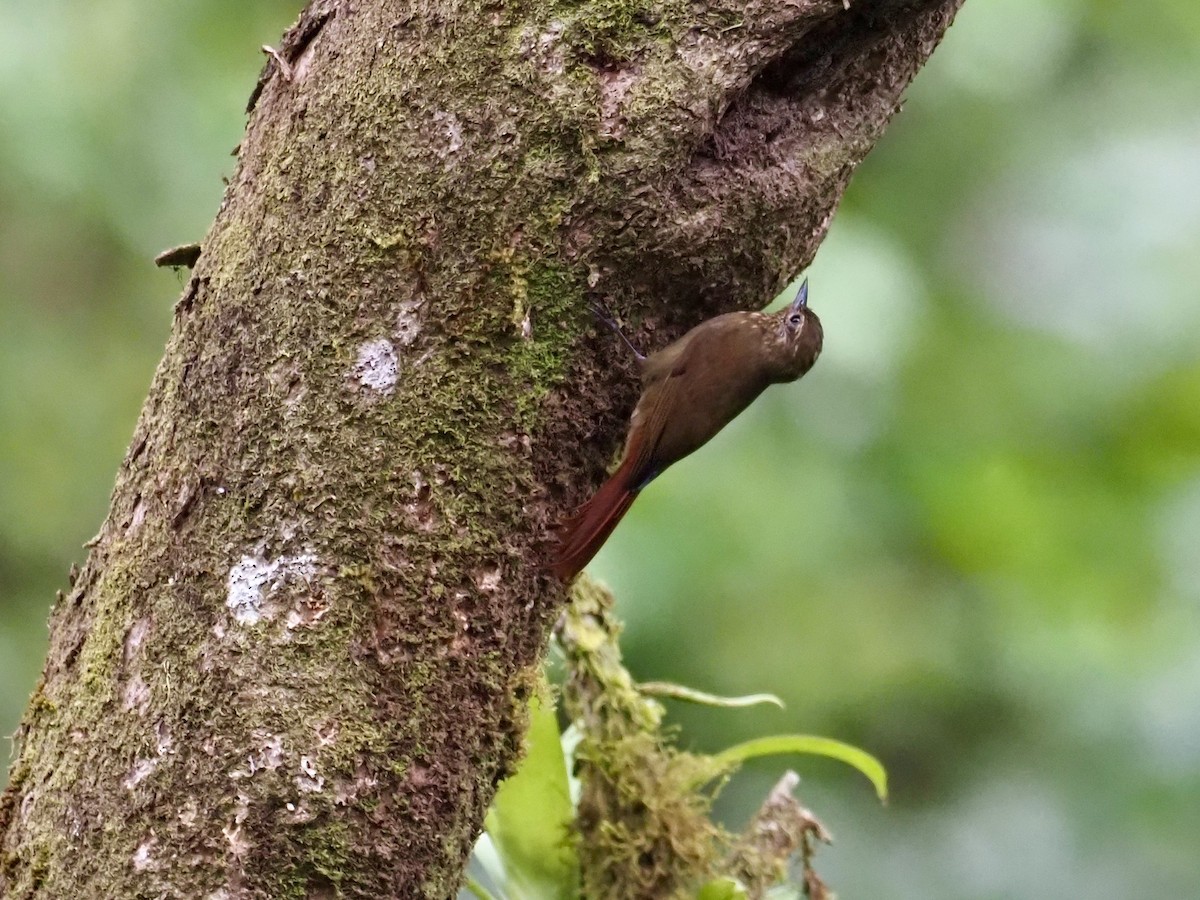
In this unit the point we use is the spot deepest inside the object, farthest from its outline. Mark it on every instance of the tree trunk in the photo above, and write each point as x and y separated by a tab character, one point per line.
296	660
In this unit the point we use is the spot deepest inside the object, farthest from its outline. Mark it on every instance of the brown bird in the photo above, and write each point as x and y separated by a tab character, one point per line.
690	391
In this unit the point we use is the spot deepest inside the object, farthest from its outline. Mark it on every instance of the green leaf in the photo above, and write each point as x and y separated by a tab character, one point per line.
723	889
477	890
679	692
812	745
529	821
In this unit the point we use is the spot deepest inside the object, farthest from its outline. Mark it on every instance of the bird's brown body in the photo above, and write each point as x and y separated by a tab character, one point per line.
690	391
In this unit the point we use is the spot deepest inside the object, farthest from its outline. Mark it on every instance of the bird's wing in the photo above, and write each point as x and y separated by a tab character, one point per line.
662	387
662	364
589	527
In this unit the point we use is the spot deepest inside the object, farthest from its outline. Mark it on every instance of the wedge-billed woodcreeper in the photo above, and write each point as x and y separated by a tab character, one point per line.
691	390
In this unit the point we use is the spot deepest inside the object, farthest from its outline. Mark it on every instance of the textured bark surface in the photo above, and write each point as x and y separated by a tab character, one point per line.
294	663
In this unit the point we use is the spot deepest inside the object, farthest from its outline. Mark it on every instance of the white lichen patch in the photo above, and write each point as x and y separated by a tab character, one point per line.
377	367
142	859
253	579
246	581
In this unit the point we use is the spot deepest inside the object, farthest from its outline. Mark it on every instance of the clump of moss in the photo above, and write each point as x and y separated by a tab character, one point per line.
642	820
643	825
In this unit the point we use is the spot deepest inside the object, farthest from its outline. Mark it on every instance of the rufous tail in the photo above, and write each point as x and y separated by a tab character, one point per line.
585	532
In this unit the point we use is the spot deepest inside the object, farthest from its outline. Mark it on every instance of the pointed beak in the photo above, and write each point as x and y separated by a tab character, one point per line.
801	300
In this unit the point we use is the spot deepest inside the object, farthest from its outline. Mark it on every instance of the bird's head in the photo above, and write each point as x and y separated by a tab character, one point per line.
800	336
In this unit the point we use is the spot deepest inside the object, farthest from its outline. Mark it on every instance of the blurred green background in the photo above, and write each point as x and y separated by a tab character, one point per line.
968	541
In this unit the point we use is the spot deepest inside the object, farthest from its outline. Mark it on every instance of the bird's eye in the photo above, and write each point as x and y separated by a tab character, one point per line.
795	320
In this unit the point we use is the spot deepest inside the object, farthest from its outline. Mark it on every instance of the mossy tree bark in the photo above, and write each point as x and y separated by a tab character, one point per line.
295	661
